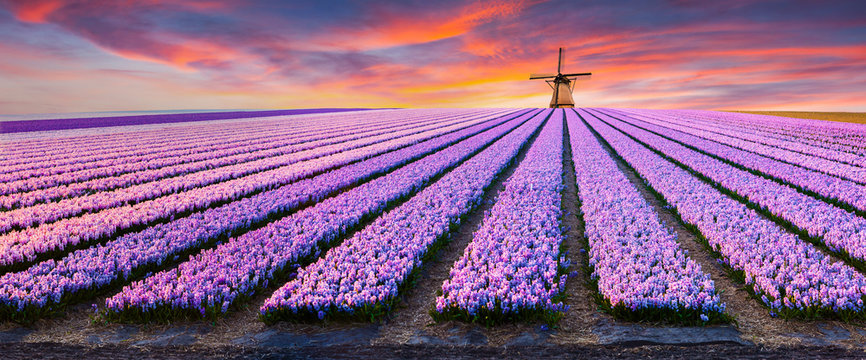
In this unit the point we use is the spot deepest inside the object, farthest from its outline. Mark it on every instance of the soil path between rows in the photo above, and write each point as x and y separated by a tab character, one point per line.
411	322
753	321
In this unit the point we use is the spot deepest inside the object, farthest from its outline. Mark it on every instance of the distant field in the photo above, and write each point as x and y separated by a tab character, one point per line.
19	126
854	117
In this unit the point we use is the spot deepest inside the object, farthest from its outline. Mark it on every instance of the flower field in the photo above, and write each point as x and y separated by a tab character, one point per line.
331	216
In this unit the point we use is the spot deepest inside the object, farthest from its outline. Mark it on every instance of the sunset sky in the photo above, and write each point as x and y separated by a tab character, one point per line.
65	56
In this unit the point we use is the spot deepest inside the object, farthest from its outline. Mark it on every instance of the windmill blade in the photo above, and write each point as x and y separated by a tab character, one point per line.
575	79
541	76
559	64
577	74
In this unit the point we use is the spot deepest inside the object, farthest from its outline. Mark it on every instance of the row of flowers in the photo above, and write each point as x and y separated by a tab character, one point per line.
637	264
66	185
842	136
363	276
840	230
27	244
37	290
727	129
52	144
28	154
830	137
152	156
512	267
212	281
844	192
115	150
154	188
835	168
31	154
788	275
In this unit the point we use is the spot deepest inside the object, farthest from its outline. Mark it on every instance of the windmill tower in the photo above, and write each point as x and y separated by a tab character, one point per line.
562	84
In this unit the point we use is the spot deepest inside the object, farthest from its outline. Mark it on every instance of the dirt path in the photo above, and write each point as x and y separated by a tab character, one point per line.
753	320
765	213
411	322
576	325
720	351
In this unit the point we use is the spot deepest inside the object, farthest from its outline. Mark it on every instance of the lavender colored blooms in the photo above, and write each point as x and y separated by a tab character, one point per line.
848	155
340	211
800	158
39	155
756	137
213	280
842	231
636	261
828	186
841	136
28	158
790	276
43	125
55	182
364	274
46	213
512	266
42	284
27	244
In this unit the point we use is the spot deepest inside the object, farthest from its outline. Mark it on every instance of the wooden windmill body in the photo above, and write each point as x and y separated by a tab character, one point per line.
562	85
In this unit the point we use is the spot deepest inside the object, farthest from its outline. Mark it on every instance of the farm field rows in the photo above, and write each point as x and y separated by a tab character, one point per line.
339	217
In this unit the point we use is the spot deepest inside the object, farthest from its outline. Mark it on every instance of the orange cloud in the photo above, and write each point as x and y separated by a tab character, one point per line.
406	28
36	11
182	56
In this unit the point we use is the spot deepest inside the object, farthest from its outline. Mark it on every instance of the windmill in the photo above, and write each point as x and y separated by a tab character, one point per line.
562	84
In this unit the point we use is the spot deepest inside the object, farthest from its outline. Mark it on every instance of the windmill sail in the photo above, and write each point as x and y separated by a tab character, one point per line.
577	74
559	63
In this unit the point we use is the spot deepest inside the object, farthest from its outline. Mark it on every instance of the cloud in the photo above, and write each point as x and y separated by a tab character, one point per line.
269	54
36	11
387	25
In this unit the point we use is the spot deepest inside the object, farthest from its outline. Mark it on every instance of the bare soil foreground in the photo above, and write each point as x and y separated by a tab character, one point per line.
852	117
723	351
